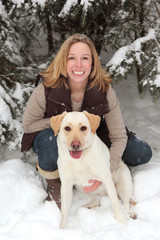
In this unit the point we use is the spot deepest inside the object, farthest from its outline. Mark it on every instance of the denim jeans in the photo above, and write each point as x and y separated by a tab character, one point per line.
137	152
45	147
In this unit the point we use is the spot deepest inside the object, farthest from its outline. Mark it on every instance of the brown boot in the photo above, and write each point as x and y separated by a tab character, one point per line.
53	190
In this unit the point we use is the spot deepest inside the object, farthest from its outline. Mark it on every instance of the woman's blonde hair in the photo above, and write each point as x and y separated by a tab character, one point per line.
56	74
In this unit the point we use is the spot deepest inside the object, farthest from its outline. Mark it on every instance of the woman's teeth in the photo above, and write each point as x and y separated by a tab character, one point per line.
78	72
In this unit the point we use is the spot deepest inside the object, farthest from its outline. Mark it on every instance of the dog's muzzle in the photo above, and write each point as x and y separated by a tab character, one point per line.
76	153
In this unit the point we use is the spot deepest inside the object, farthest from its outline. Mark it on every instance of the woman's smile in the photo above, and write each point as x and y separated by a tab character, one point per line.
78	73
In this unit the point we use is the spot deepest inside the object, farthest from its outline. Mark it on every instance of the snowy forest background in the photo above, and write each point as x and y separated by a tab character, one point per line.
126	35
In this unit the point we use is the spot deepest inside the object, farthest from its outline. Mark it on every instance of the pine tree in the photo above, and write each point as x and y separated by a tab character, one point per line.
142	48
20	23
14	89
50	23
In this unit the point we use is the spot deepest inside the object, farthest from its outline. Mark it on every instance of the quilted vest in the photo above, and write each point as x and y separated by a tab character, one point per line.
58	100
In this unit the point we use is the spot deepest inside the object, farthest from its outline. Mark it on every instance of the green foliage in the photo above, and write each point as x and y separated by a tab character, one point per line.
14	72
144	53
12	102
98	20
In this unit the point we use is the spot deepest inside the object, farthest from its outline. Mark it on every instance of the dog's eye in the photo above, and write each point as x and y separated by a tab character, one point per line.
67	128
83	128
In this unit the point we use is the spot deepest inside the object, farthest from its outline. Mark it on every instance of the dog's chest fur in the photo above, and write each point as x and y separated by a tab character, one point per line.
88	167
79	173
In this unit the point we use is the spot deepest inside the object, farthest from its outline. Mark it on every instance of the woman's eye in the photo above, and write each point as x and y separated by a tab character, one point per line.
67	128
70	58
83	128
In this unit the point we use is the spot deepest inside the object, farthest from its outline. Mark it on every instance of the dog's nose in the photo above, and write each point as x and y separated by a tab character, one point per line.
76	144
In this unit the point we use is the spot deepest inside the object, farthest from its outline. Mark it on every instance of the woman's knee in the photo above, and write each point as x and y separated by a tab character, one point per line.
45	147
137	152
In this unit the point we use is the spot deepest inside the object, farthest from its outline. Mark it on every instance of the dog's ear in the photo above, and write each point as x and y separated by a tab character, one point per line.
94	121
56	122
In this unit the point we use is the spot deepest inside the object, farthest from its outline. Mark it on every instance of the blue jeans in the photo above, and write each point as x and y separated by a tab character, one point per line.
45	147
137	152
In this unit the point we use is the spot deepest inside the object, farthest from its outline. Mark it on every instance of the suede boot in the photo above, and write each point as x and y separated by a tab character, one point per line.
53	190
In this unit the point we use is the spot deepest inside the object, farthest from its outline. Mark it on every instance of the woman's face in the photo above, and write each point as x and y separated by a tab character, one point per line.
79	62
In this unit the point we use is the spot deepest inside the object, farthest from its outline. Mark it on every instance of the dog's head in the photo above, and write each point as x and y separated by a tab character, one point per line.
76	130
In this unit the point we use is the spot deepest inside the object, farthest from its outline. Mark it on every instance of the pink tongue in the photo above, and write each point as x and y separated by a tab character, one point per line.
75	154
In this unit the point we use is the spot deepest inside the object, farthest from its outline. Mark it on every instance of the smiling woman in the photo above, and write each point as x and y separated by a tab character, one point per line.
76	81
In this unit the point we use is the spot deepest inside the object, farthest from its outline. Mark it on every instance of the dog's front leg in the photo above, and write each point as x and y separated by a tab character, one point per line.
66	200
111	191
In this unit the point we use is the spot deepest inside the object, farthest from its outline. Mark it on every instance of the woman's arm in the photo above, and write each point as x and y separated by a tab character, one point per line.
33	118
116	127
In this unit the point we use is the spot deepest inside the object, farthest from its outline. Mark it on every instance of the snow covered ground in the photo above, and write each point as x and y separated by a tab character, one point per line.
25	216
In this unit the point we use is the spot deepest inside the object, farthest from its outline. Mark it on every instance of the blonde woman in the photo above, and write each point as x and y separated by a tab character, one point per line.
75	81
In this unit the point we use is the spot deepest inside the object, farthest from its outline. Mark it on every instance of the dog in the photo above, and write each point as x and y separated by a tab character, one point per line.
83	156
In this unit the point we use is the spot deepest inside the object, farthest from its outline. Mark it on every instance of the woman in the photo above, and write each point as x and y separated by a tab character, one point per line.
75	81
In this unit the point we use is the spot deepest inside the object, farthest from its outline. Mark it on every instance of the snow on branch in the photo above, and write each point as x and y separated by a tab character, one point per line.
19	3
144	52
123	53
72	3
67	7
12	102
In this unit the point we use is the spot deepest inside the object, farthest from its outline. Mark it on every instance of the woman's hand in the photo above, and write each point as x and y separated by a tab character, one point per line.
93	187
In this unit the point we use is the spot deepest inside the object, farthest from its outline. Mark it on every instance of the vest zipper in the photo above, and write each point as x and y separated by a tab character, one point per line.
62	104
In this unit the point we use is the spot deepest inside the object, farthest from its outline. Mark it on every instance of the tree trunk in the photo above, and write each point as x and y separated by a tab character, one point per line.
139	13
49	35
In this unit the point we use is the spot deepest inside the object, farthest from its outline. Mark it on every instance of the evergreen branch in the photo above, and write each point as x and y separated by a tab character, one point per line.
158	11
12	11
7	79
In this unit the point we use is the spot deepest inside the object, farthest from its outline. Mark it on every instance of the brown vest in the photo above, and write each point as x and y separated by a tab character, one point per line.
58	100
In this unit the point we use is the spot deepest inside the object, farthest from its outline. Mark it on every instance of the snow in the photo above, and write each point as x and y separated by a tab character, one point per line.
25	215
119	56
70	3
19	2
137	43
4	108
67	6
157	80
2	11
86	4
128	54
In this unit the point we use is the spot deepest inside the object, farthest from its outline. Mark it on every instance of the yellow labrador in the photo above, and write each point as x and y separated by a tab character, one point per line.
83	156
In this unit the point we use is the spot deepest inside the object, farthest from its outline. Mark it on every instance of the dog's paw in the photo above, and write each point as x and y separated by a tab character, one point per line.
133	201
133	215
92	204
62	224
121	218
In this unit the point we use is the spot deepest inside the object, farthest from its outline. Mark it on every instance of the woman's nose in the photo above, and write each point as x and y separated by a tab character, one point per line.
78	62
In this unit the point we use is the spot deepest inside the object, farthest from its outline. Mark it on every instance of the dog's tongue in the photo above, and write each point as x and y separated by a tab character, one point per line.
75	154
